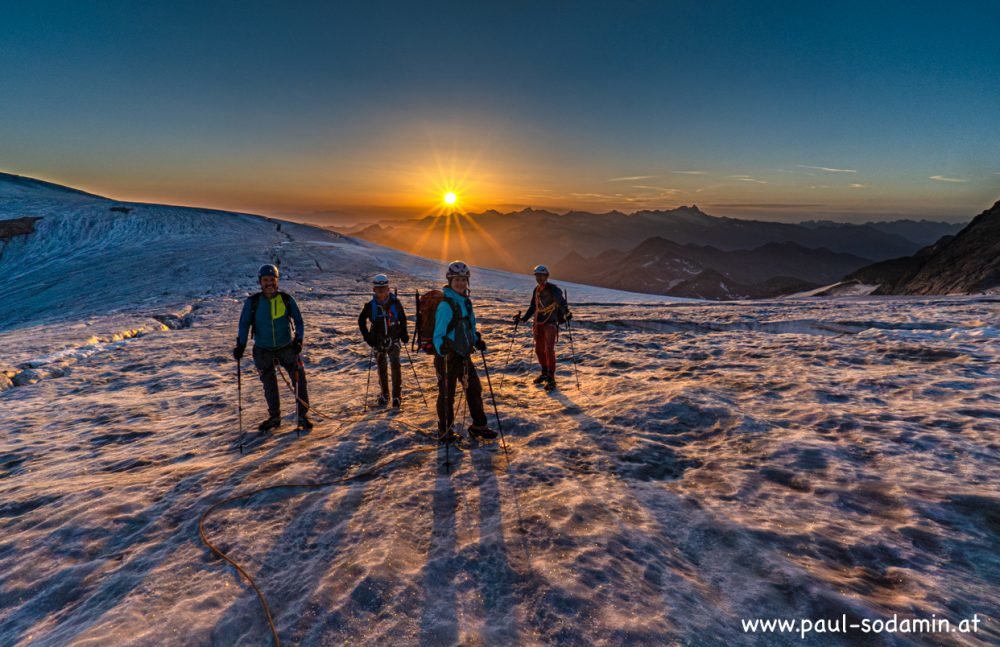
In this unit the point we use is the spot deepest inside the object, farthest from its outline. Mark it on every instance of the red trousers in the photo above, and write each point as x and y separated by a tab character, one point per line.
545	346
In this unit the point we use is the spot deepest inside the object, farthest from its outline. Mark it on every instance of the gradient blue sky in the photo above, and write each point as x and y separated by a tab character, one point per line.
782	111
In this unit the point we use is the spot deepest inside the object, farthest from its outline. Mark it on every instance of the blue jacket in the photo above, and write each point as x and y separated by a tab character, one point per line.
272	321
444	315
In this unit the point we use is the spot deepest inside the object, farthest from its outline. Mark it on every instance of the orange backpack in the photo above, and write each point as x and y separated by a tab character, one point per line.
427	304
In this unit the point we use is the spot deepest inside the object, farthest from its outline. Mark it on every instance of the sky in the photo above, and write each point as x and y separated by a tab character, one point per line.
336	112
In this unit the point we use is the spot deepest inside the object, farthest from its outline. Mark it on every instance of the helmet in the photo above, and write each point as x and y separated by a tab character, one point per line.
267	270
458	268
380	281
541	269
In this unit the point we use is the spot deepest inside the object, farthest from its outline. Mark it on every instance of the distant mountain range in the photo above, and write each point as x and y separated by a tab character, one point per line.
659	266
518	240
680	252
966	263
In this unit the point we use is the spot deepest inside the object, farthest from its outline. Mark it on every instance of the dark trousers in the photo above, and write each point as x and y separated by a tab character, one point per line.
449	372
390	356
264	359
545	346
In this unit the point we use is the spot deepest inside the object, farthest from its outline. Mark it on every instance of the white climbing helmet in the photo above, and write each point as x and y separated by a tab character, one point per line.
380	281
541	269
458	268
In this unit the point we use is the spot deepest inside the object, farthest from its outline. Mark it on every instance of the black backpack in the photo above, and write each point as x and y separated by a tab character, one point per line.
386	320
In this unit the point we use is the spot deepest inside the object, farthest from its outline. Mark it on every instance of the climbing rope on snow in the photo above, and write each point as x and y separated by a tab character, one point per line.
374	469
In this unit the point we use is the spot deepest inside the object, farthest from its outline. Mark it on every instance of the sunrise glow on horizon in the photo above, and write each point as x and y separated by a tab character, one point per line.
341	116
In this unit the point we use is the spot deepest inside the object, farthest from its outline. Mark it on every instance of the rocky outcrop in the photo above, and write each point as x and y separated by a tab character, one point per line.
966	263
17	227
890	276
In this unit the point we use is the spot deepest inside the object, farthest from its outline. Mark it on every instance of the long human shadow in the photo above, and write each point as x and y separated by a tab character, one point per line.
496	577
439	620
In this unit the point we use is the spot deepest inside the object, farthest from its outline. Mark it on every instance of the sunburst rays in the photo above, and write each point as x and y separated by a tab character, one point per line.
451	221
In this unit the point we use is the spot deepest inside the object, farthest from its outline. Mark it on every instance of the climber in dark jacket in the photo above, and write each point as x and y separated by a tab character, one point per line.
387	332
549	309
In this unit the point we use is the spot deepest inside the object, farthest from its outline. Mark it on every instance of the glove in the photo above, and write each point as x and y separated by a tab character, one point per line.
568	316
480	344
238	351
369	341
406	338
297	346
446	348
517	318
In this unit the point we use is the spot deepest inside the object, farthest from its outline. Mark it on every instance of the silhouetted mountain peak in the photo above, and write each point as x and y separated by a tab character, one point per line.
692	212
991	215
572	257
528	211
656	244
965	263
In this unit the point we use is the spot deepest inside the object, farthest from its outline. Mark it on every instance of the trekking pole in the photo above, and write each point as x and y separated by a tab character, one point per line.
414	369
465	390
572	351
496	412
448	401
298	375
569	328
239	401
513	336
368	384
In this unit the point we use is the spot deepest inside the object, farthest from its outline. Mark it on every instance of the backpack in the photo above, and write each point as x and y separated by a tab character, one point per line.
255	301
427	304
385	320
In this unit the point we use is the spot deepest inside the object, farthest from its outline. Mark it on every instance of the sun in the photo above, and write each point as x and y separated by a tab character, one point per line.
450	197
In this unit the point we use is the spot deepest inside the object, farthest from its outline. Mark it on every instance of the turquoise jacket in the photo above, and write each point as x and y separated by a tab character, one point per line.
443	317
272	322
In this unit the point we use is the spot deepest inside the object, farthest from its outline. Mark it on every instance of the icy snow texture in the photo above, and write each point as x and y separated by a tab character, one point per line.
803	458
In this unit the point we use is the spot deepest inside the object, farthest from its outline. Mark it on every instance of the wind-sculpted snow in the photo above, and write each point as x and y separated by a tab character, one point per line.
796	459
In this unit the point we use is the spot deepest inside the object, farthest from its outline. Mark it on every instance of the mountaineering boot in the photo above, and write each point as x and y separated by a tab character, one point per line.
382	399
448	436
482	431
271	423
550	384
541	378
395	403
305	424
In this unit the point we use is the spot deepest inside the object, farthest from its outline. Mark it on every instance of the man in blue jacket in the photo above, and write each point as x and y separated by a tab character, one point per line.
268	315
455	342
